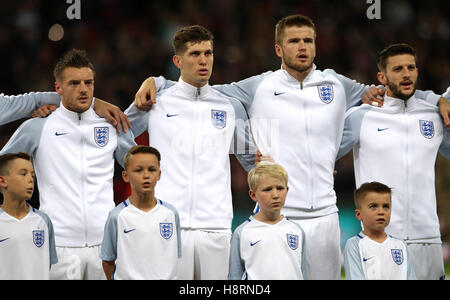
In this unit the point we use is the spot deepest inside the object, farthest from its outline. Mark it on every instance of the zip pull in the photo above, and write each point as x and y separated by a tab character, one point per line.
198	92
301	85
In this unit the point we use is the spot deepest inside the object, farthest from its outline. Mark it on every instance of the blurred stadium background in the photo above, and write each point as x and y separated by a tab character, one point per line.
131	40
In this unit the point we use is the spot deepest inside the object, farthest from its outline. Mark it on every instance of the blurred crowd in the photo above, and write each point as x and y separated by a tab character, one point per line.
131	40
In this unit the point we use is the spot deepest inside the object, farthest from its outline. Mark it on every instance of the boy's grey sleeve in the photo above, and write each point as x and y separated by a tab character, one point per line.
177	225
237	267
244	90
352	129
21	106
124	143
51	237
444	149
352	261
26	138
108	250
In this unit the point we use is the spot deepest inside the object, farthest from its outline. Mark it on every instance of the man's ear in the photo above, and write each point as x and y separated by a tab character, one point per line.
382	78
278	50
58	88
358	215
177	61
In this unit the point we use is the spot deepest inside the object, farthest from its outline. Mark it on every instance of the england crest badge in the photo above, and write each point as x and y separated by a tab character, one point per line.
397	256
219	118
38	238
326	93
292	240
101	136
426	128
166	230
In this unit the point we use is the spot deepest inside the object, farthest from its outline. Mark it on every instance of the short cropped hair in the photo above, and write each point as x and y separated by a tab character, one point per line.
193	34
6	159
365	188
265	168
74	58
393	50
140	149
290	21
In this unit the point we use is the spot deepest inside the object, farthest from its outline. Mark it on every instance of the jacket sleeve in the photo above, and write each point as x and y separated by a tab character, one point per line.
124	143
138	119
444	149
21	106
352	129
26	138
244	90
242	146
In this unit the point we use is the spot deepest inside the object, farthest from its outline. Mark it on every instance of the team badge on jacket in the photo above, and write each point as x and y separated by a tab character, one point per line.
292	240
326	93
397	256
101	136
38	238
427	128
166	230
219	118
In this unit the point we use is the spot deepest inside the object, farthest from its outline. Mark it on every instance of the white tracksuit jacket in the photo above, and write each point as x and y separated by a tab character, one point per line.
73	157
397	145
195	130
299	124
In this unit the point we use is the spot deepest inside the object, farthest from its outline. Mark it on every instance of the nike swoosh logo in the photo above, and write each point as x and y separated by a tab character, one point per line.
4	240
366	259
127	231
382	129
253	244
278	94
62	133
170	116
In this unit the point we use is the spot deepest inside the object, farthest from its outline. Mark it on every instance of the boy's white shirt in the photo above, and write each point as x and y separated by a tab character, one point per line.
27	246
144	245
261	251
365	258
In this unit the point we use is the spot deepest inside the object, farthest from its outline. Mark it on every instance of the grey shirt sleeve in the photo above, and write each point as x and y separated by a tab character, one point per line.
108	250
177	225
237	266
352	260
21	106
51	237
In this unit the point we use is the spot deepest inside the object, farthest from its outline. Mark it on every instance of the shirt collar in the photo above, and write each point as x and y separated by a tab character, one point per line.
193	91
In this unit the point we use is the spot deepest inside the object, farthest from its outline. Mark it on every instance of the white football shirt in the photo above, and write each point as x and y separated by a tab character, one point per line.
144	245
261	251
368	259
27	246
